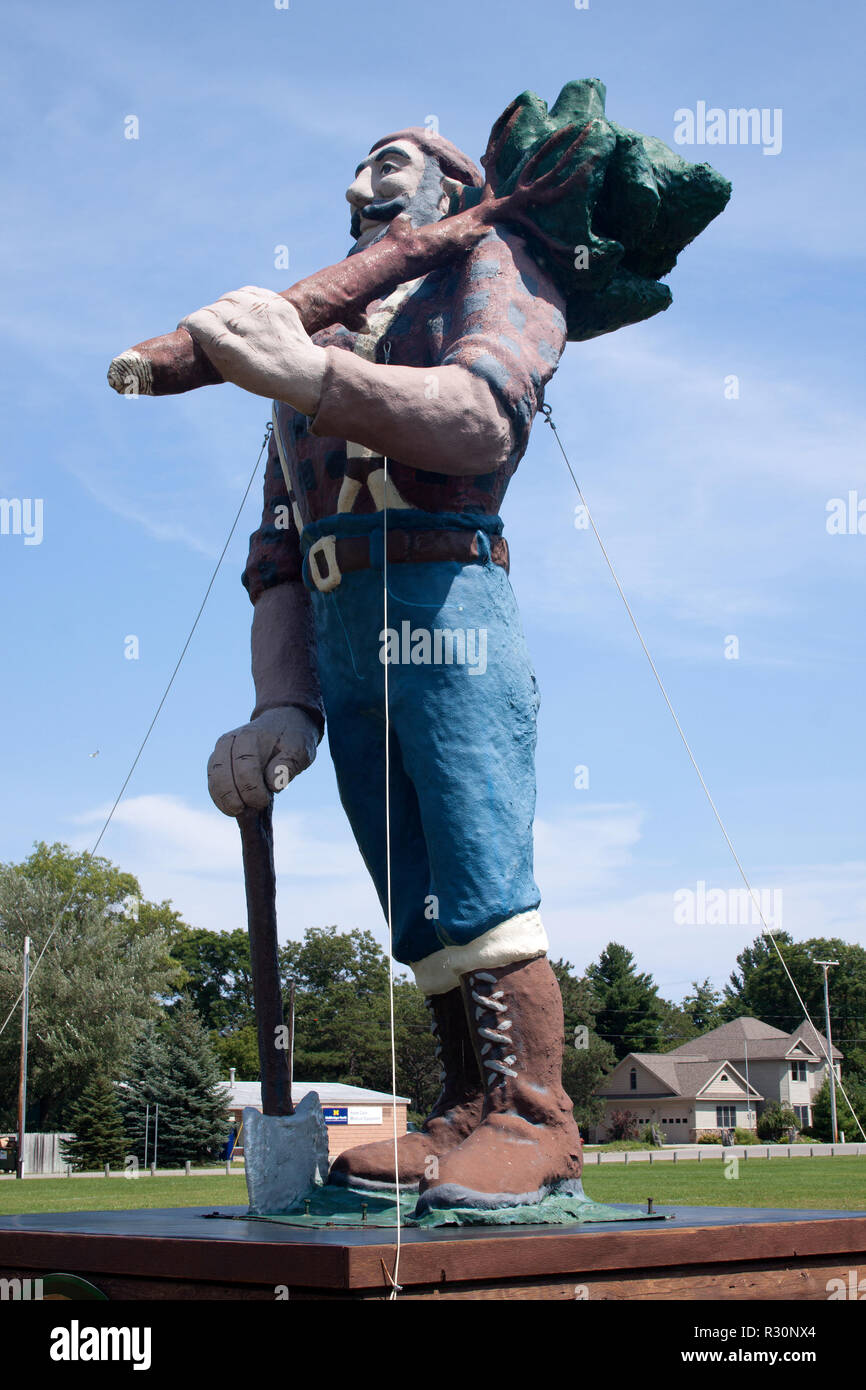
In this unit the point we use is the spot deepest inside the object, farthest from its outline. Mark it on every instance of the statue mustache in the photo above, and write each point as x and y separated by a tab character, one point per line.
377	212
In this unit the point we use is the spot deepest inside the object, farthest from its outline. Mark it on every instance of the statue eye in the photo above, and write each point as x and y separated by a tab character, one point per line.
386	168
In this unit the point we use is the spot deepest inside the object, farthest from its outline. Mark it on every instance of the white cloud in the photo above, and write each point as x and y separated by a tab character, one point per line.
192	856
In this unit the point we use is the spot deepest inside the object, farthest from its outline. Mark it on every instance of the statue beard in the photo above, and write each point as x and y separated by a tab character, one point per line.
421	207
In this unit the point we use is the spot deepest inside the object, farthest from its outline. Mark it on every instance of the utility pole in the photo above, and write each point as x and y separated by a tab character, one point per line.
825	964
22	1074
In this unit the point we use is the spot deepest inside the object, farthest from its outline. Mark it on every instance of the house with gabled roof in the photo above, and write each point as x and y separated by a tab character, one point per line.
721	1080
682	1097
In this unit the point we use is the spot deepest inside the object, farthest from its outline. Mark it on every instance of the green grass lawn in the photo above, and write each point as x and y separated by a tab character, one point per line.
830	1183
120	1194
834	1183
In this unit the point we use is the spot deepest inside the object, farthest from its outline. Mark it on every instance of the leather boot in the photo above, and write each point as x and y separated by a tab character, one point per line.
528	1140
452	1119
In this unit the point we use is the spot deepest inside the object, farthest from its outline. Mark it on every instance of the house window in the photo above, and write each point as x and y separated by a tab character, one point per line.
798	1071
632	1079
802	1113
726	1116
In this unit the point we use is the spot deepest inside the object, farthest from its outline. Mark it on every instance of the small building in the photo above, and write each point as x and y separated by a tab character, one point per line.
720	1081
353	1114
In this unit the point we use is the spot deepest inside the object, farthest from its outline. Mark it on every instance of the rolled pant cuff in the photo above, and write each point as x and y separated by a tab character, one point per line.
518	938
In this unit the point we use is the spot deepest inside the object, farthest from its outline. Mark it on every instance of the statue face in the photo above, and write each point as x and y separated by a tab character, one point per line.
396	178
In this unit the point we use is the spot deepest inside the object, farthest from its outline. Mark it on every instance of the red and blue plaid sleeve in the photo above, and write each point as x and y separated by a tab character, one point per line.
507	325
275	548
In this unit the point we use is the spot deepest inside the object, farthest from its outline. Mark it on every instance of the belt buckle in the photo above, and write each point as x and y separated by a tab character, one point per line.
325	548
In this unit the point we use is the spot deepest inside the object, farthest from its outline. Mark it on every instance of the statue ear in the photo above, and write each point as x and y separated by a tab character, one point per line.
450	189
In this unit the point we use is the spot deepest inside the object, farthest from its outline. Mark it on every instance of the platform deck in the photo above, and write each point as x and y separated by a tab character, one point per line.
186	1253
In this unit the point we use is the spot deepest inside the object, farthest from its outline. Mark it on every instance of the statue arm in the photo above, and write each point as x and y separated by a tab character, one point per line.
439	419
253	761
470	413
283	645
283	640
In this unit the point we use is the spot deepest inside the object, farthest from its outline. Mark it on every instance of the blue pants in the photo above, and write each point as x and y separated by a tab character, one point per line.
462	732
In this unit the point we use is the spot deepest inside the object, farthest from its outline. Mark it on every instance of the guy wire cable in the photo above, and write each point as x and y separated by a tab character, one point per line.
548	415
141	746
395	1285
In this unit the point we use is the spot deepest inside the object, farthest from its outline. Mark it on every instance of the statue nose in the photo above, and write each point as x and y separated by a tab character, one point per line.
361	191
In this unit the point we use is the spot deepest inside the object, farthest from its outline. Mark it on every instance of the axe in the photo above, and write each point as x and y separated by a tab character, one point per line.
257	843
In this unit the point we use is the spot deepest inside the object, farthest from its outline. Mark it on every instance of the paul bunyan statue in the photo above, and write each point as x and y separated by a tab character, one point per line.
405	381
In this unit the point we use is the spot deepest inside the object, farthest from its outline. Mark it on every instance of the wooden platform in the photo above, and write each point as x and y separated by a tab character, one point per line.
708	1253
701	1254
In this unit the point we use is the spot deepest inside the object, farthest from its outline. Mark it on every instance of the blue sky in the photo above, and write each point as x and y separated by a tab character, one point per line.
713	510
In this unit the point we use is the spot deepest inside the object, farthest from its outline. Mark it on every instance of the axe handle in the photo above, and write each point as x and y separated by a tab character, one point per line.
257	842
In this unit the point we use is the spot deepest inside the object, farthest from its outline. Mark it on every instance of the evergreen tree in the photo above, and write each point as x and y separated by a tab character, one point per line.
630	1012
587	1058
174	1066
703	1007
96	1122
675	1026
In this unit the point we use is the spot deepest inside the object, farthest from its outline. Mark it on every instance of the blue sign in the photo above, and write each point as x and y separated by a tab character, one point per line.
336	1114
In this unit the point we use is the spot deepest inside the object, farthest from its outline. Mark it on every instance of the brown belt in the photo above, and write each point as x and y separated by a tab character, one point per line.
330	557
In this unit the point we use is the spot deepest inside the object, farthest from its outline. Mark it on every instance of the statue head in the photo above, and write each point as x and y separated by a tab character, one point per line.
411	171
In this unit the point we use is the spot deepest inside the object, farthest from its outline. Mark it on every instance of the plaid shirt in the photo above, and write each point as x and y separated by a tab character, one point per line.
493	312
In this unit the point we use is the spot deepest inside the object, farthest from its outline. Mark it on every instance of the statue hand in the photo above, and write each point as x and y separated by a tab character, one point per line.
261	757
256	339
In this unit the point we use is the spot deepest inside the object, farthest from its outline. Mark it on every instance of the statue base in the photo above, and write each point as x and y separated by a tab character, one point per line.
698	1253
328	1207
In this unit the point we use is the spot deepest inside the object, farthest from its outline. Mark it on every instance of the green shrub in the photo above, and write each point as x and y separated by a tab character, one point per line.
710	1139
774	1123
745	1136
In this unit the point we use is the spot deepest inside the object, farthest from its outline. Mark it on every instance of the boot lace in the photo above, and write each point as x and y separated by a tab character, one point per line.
495	1039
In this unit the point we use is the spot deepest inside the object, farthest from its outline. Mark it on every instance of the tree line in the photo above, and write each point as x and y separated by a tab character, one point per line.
130	994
